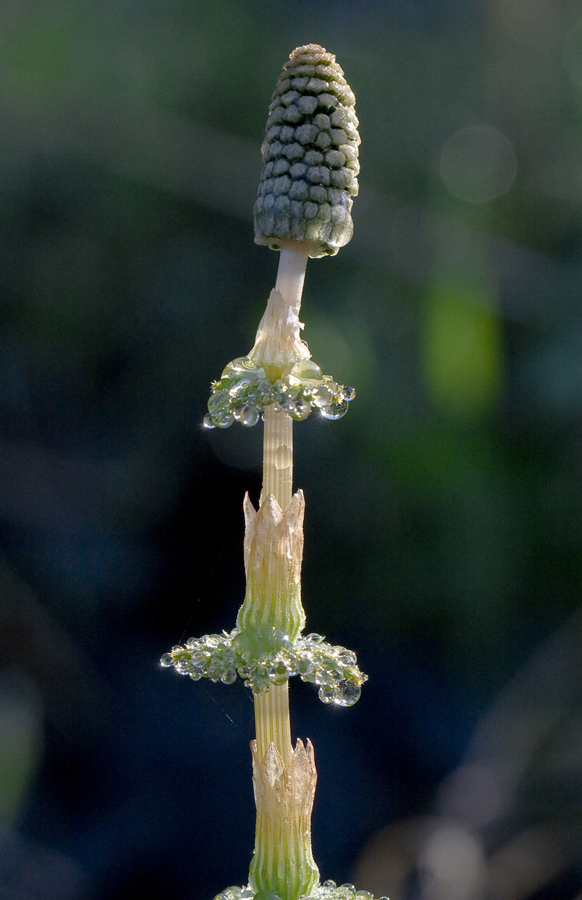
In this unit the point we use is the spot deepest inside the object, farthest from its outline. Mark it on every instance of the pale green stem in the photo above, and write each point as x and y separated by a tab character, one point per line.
272	720
283	860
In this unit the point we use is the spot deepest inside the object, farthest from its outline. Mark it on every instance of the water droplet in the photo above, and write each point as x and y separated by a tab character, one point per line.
224	421
335	410
167	660
315	638
326	694
349	393
299	410
218	401
282	397
347	693
347	657
330	885
283	457
249	416
304	370
238	365
229	677
321	396
208	422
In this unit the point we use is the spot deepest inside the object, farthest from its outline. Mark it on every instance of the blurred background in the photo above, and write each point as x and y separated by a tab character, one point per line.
443	532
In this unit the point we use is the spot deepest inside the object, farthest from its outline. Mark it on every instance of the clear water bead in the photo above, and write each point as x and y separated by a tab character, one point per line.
304	370
335	410
321	396
249	416
218	400
167	660
239	365
348	693
326	694
208	422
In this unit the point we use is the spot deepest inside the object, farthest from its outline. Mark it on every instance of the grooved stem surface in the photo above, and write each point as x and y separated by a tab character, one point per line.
272	721
278	456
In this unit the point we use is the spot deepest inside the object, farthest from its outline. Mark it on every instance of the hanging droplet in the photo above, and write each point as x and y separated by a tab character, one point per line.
347	693
335	410
321	396
299	410
167	660
349	393
249	416
326	694
208	421
218	401
229	676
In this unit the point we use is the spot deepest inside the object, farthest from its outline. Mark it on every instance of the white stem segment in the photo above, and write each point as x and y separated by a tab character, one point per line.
291	273
278	342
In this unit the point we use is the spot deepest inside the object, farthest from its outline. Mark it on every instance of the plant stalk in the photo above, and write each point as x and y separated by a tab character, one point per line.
272	720
284	779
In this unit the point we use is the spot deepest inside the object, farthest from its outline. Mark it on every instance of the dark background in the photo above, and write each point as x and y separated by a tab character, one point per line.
443	532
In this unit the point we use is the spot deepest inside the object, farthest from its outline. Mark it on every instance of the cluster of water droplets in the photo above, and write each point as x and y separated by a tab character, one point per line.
244	390
221	657
329	890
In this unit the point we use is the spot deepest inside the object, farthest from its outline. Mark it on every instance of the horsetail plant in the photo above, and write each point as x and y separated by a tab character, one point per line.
303	209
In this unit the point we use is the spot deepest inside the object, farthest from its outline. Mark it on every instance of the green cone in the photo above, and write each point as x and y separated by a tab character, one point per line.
310	156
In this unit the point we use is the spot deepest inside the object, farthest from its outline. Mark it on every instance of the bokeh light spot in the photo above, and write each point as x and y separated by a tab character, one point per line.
478	164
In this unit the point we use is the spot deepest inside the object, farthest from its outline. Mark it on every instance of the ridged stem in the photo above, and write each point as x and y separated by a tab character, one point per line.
272	719
278	455
283	860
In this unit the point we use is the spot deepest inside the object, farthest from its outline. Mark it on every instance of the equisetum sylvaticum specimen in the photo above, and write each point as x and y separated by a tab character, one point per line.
303	209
